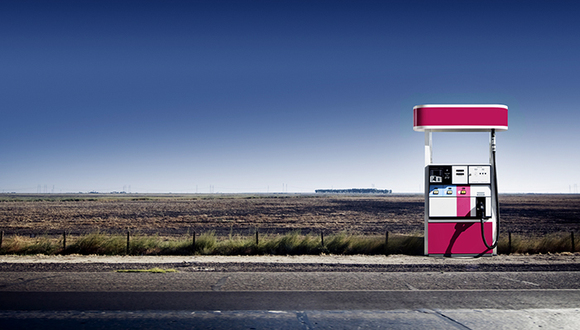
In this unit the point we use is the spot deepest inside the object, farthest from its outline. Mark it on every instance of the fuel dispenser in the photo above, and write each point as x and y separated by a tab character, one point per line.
461	203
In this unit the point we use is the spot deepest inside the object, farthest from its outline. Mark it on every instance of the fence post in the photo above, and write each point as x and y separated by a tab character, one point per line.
257	240
321	238
63	241
509	242
386	242
1	238
193	243
128	242
572	238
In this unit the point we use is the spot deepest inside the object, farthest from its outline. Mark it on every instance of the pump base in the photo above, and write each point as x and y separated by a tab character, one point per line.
458	239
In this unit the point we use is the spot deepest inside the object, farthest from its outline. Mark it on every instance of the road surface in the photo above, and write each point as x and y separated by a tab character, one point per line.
516	293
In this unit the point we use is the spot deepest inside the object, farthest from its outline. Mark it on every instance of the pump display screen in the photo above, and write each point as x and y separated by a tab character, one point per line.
440	174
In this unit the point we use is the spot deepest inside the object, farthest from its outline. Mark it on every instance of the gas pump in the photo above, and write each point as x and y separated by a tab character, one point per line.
461	200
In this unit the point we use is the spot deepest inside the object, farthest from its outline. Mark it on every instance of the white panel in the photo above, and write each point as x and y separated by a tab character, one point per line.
442	207
480	191
479	174
459	174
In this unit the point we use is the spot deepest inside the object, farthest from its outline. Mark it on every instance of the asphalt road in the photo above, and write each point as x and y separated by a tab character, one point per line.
308	297
290	300
286	281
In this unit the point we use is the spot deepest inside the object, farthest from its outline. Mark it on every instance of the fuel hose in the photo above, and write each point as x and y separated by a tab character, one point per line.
495	195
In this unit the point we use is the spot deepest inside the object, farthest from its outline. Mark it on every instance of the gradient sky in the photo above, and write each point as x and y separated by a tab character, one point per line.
271	96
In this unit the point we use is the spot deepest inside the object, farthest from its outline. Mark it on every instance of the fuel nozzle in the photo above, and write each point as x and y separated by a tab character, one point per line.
480	207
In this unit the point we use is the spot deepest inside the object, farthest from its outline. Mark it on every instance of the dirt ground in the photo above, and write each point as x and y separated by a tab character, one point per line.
174	215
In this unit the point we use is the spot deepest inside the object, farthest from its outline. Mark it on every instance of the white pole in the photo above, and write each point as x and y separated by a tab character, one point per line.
428	147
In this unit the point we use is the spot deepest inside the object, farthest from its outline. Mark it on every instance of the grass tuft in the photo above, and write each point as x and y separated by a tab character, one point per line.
26	246
152	270
549	243
98	243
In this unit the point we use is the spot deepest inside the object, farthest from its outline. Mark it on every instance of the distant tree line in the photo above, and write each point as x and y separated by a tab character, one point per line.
354	191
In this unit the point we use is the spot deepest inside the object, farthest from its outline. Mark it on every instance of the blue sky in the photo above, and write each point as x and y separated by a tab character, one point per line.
271	96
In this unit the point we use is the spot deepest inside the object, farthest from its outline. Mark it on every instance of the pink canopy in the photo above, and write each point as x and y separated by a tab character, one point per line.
460	117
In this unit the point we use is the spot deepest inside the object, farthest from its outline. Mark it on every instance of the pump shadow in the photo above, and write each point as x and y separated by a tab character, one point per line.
459	229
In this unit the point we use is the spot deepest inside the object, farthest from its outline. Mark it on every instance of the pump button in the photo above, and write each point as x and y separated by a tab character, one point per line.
463	192
449	192
435	192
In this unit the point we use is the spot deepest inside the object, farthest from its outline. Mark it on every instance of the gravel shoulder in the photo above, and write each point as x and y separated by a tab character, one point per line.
327	263
327	259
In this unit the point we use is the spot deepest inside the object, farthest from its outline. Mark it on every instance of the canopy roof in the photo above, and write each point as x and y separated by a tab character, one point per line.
460	117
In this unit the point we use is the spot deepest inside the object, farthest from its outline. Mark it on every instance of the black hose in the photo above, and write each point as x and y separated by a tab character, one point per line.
495	194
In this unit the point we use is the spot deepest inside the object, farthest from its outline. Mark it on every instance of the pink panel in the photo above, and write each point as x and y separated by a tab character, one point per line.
463	201
460	116
458	237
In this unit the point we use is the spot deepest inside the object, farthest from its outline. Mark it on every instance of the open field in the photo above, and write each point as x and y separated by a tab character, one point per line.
239	214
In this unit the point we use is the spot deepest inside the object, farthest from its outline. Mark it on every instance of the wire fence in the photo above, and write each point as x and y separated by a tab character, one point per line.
191	243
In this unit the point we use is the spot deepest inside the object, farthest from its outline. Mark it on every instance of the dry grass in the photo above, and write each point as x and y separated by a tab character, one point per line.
293	243
550	243
152	270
